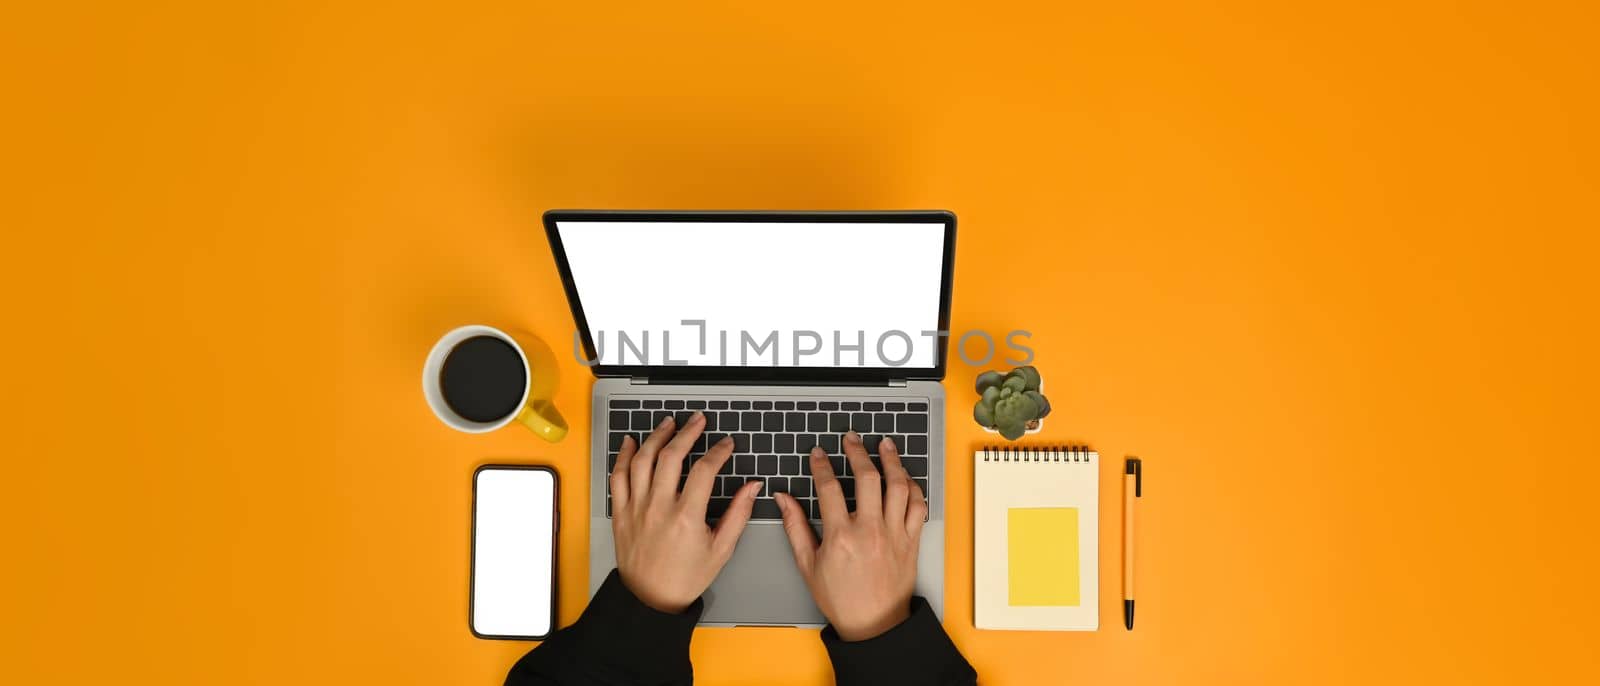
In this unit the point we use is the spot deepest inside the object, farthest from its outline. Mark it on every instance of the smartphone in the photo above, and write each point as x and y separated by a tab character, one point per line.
512	593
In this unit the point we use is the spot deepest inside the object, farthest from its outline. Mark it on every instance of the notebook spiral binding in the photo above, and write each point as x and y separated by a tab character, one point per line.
1039	453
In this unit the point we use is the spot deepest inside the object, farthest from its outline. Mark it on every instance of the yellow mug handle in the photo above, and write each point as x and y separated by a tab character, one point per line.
544	420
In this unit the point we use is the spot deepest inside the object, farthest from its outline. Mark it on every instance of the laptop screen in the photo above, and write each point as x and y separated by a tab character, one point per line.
792	293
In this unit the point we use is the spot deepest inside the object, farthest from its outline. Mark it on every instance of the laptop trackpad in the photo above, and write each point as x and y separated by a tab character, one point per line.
760	584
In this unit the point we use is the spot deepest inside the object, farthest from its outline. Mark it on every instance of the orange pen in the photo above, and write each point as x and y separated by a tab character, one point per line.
1132	490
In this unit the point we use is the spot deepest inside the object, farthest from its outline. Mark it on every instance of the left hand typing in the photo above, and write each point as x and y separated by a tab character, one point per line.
666	553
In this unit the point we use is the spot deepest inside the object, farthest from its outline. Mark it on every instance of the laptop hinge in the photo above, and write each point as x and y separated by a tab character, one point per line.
638	381
897	383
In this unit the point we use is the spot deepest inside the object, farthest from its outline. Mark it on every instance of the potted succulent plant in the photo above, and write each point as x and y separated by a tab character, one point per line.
1011	403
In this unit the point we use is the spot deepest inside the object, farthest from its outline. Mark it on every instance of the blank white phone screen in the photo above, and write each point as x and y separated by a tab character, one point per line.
513	532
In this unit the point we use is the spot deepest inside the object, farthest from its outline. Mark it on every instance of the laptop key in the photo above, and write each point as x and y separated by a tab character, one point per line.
761	443
728	421
829	443
700	444
916	445
765	508
806	405
657	416
838	422
794	421
848	485
727	467
616	440
697	404
883	422
652	404
861	422
740	404
682	417
741	443
711	420
872	407
750	421
619	404
746	464
783	443
641	420
803	443
772	421
829	405
800	487
854	407
912	423
673	404
899	443
922	484
783	405
917	407
816	422
841	467
717	405
775	484
763	404
767	465
714	438
789	464
617	420
915	466
895	407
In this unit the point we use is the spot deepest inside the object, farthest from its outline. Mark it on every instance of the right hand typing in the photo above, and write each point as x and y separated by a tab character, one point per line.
863	572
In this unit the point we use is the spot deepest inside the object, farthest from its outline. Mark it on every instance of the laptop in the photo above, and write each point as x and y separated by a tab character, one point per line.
786	329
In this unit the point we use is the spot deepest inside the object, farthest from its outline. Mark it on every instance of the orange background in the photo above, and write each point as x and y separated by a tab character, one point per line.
1329	270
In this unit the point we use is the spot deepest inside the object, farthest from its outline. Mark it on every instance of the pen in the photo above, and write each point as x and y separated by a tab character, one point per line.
1132	490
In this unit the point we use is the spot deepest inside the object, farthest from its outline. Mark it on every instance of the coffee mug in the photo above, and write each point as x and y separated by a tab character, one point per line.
479	378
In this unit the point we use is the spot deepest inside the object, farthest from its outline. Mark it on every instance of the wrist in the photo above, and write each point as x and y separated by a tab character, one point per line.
652	600
876	627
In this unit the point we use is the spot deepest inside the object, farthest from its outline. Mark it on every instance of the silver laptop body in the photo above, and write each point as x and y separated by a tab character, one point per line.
733	274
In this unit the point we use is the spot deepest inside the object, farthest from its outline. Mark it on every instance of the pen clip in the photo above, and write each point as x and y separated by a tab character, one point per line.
1135	466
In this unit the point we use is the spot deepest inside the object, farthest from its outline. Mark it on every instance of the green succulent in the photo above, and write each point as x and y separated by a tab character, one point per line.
1010	402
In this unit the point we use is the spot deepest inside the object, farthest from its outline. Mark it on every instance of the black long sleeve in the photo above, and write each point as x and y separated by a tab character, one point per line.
618	641
917	651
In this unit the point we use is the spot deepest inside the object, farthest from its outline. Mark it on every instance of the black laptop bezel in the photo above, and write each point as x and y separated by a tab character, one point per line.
763	374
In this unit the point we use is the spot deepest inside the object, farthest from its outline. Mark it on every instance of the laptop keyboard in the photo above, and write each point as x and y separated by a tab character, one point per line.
772	441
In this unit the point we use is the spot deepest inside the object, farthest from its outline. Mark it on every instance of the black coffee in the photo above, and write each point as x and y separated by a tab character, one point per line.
483	379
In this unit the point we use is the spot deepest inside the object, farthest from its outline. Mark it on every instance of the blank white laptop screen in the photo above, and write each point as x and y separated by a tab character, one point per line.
512	552
868	284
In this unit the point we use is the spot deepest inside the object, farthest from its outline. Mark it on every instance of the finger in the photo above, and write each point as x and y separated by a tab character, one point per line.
869	501
644	461
830	495
697	490
619	472
897	492
669	461
726	537
916	513
798	526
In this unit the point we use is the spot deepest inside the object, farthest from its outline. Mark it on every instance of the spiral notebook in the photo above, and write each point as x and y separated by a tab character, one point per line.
1036	531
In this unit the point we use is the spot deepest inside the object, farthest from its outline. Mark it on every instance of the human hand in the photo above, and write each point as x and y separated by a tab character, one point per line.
862	574
666	553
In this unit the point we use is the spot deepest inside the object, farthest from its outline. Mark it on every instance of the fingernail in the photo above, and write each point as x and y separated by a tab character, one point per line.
665	421
852	436
725	439
884	442
759	485
698	416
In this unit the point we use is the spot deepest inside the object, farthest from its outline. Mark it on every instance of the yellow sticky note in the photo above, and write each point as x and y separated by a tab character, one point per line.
1042	556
